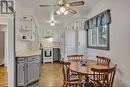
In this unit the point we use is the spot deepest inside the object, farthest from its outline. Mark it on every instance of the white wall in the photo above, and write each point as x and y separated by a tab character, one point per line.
119	38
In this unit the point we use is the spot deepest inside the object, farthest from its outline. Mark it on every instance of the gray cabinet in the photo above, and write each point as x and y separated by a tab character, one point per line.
33	69
21	69
28	70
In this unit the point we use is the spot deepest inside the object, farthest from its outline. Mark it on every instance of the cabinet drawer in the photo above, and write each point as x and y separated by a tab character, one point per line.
20	60
33	58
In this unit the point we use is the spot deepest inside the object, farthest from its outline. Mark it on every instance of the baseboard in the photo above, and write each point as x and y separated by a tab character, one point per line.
1	65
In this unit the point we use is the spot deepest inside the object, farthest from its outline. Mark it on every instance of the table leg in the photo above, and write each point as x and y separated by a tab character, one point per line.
80	80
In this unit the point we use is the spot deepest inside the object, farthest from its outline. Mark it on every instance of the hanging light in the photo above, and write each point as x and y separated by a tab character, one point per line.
52	23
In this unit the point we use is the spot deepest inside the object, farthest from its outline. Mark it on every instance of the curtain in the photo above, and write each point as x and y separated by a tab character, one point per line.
99	20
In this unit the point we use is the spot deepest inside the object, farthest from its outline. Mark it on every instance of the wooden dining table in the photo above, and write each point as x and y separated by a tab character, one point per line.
85	70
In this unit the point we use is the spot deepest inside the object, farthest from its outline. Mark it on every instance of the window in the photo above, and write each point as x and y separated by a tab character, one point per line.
98	31
98	38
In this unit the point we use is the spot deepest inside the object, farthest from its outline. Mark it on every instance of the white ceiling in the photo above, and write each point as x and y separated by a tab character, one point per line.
44	14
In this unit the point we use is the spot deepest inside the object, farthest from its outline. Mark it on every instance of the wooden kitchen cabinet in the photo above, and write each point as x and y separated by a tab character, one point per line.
27	70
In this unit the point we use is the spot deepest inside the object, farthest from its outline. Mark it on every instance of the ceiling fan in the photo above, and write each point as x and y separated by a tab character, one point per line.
65	6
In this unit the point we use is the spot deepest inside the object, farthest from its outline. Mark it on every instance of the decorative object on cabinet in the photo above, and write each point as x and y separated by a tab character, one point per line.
27	28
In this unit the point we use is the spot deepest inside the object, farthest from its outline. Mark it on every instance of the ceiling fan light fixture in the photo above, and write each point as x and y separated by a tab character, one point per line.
66	12
62	10
58	12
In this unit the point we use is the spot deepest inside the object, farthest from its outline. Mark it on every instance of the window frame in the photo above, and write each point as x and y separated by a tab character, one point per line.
107	47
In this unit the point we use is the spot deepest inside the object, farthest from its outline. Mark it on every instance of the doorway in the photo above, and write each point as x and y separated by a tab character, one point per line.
3	44
2	47
3	55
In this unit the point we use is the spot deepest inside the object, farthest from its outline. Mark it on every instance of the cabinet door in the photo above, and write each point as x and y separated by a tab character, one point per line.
21	74
38	58
33	71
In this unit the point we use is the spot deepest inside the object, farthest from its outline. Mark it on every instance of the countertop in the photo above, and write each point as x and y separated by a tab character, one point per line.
27	53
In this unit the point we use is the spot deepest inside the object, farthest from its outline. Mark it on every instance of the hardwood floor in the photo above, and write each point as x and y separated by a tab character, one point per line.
3	77
51	76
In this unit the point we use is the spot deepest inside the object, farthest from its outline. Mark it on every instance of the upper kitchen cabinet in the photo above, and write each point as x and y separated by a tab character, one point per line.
27	28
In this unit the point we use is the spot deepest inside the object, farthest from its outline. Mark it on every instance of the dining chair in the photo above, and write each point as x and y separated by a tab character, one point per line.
103	60
68	81
75	57
102	77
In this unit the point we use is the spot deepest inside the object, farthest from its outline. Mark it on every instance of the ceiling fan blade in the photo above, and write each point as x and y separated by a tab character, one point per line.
47	5
76	3
61	2
71	11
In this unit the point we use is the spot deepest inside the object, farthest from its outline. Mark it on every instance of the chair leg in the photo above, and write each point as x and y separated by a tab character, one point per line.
64	85
68	85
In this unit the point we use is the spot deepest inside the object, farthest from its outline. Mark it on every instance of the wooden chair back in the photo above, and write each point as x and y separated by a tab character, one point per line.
75	57
65	70
103	60
103	77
